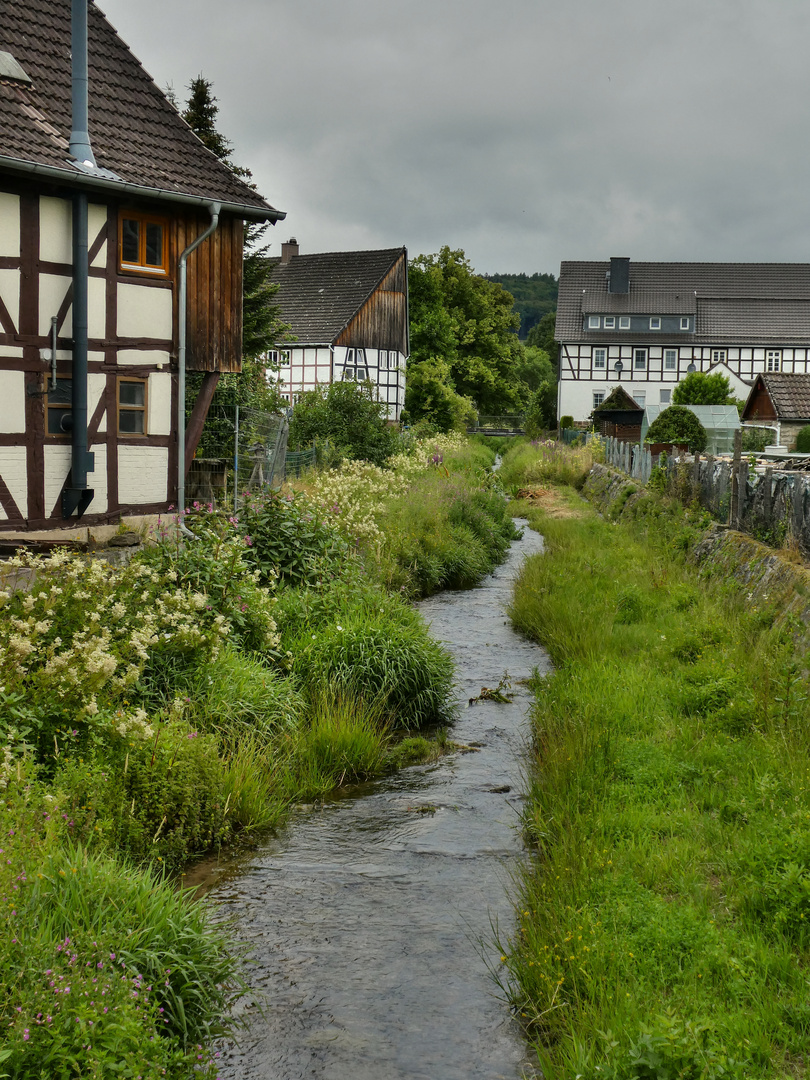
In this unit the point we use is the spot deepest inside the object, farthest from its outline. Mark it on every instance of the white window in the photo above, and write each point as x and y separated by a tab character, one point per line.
598	397
624	322
593	322
382	360
684	322
640	359
670	359
655	323
600	358
665	397
718	356
773	360
640	398
610	322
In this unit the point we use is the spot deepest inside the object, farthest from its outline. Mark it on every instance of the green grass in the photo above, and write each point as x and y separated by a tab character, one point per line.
663	923
528	463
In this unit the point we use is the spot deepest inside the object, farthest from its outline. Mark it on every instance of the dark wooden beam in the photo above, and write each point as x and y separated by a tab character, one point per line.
198	414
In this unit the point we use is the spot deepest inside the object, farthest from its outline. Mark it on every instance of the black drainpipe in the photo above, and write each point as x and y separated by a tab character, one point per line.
76	495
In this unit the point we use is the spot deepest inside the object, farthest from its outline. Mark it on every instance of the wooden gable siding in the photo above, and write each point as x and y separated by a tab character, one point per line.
214	327
759	406
382	322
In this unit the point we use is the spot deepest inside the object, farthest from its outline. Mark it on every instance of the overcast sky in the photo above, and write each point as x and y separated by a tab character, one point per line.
523	131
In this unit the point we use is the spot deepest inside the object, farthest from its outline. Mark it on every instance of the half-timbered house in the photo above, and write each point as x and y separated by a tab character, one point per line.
100	204
348	318
647	325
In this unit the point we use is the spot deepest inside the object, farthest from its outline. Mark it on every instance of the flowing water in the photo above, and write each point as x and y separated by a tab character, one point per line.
372	919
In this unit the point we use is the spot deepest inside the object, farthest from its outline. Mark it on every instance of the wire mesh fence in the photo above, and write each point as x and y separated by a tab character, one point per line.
240	450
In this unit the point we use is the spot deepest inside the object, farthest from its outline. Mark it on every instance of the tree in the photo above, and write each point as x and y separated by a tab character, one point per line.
261	323
541	336
678	424
429	395
466	322
701	389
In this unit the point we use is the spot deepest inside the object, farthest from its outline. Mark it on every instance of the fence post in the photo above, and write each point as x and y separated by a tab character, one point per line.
767	495
798	506
742	493
236	460
734	508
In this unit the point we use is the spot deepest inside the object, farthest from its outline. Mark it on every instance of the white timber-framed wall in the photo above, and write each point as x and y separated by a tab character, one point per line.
131	331
303	368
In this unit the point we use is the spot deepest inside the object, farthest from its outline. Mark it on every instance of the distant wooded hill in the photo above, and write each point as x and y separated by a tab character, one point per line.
535	295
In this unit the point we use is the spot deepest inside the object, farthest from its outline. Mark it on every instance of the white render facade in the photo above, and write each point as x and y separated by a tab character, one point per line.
648	325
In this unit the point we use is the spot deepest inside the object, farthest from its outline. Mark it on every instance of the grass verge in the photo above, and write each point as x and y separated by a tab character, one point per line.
663	924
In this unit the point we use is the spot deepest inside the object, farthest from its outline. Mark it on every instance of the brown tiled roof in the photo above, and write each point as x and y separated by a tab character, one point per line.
735	303
790	394
321	294
134	131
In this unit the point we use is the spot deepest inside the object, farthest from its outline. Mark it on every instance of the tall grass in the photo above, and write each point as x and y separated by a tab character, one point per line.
662	926
549	462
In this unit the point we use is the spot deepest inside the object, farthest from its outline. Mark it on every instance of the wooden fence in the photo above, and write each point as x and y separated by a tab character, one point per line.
772	505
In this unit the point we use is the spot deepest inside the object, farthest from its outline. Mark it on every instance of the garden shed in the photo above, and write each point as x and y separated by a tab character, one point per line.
719	421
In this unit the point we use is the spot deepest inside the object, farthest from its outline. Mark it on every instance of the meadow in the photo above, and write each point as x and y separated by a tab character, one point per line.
663	918
157	710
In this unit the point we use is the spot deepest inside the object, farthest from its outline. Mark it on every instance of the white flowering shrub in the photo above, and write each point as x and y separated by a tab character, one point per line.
78	647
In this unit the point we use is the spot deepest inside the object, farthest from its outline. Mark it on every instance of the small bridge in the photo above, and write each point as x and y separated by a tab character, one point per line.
508	424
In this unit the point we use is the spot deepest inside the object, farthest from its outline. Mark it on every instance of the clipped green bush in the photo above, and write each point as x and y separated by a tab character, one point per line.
566	422
803	440
677	424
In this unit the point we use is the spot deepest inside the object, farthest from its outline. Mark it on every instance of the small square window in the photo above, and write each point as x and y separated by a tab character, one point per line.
684	322
718	356
670	360
773	360
639	359
600	358
665	397
143	243
655	323
598	397
624	322
610	322
132	406
593	322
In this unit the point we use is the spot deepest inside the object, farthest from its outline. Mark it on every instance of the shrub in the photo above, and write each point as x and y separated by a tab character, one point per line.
347	414
677	424
803	440
566	422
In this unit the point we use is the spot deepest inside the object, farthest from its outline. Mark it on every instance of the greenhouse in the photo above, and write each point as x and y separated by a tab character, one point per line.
720	422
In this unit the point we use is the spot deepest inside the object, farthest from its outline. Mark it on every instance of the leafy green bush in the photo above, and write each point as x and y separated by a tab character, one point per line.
803	440
755	439
677	424
348	415
566	422
698	388
290	537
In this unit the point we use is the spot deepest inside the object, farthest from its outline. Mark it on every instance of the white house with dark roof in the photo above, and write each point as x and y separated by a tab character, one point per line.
348	318
647	325
101	193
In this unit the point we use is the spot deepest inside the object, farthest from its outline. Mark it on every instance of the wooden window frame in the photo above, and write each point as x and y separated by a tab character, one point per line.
719	356
54	405
773	360
142	267
603	365
674	365
119	408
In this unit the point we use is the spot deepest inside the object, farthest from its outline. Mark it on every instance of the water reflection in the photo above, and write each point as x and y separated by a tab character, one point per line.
370	919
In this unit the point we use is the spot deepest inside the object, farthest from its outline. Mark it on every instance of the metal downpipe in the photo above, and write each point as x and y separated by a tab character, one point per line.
182	308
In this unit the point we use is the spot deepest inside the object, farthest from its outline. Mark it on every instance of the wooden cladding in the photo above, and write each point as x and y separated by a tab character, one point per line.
382	322
214	325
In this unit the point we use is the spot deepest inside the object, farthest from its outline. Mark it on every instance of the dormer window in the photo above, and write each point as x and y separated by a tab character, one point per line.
593	322
624	322
684	322
610	322
655	323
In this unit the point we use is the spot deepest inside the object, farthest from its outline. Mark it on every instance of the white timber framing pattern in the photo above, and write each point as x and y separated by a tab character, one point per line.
307	368
131	330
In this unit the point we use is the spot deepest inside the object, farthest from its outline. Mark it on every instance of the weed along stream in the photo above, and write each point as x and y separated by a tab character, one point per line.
370	918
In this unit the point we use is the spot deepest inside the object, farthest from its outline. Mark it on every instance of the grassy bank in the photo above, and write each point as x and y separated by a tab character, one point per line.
663	925
153	711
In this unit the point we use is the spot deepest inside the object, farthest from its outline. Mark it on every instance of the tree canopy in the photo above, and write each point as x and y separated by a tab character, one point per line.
535	295
464	326
699	388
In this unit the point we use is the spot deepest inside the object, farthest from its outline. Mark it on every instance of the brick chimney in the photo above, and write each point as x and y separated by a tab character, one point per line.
288	250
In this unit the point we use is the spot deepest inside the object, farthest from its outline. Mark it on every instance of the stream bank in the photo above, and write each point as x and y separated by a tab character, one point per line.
370	919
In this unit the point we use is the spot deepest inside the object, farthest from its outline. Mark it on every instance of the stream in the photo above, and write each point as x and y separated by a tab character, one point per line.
371	919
